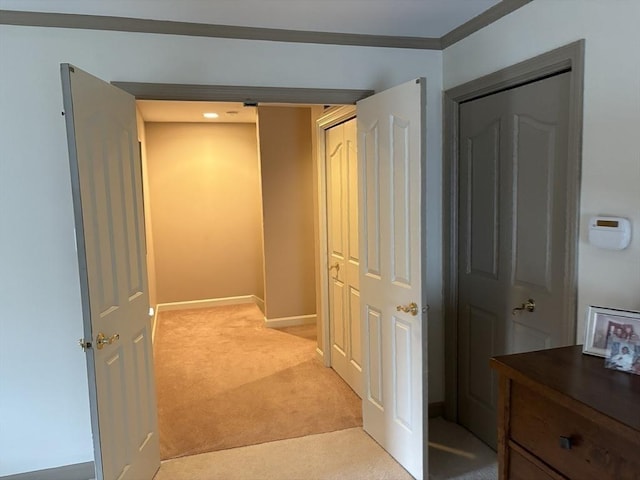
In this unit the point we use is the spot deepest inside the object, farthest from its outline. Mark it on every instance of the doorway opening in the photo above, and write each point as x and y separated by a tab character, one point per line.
220	241
392	122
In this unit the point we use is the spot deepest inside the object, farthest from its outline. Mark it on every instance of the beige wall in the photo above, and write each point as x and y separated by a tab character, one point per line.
316	112
151	262
288	215
205	209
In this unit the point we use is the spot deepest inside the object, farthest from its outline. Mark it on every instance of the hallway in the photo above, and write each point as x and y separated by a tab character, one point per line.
224	380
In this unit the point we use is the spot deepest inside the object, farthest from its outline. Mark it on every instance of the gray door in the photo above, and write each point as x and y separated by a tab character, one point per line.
512	232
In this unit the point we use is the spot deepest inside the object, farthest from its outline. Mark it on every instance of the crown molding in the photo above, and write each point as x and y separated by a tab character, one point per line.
505	7
167	27
139	25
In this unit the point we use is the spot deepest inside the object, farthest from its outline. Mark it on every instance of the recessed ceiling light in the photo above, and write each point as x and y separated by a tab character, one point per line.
210	115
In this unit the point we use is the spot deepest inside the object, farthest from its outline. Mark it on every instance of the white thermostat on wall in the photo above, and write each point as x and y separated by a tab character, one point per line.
612	233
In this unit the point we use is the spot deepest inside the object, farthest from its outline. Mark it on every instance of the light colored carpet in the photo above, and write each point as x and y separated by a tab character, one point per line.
344	455
224	380
454	453
350	454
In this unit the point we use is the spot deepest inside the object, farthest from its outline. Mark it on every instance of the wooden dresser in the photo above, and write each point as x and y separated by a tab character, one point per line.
561	414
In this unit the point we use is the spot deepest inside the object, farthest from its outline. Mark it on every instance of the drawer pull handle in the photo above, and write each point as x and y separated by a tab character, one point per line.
565	443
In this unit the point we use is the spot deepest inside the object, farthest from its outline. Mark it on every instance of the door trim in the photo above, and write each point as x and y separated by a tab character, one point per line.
330	119
569	58
239	93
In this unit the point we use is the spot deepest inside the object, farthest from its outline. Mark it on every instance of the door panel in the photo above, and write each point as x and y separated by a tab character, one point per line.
337	315
528	339
356	329
482	327
114	451
342	210
402	374
144	390
335	191
391	152
400	195
482	213
374	358
107	196
370	198
533	174
512	233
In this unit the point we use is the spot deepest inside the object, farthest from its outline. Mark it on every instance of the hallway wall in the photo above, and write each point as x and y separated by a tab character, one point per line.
151	263
206	210
287	190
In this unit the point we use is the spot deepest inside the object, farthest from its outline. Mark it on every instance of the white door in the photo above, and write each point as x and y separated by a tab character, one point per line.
391	150
107	196
344	259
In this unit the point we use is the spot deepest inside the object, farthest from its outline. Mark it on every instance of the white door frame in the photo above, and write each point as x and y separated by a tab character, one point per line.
569	58
330	119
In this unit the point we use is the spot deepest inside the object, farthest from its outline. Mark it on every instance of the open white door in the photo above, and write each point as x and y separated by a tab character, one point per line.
391	152
107	196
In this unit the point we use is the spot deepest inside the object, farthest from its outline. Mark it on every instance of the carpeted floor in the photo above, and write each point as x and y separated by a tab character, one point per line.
224	380
454	454
344	455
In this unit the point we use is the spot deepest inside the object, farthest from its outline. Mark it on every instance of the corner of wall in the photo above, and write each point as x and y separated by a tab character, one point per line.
151	264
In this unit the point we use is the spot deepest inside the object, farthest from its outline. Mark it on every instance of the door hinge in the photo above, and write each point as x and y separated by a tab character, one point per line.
85	344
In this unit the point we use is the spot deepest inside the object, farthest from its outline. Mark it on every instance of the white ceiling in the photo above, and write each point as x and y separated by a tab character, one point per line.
413	18
170	111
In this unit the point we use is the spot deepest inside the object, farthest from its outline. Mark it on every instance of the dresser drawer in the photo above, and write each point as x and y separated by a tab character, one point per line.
592	452
520	468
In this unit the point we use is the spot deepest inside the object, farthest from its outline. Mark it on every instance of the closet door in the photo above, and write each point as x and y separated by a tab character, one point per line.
344	262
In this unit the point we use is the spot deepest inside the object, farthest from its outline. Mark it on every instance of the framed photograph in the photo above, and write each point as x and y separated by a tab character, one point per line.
605	322
623	355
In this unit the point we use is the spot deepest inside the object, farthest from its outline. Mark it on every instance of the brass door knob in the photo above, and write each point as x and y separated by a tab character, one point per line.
412	308
529	306
102	340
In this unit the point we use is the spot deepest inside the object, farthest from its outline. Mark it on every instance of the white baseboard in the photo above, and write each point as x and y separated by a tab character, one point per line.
289	321
210	302
320	355
259	302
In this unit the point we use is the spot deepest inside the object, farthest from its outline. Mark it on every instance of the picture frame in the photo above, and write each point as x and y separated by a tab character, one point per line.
603	321
623	355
